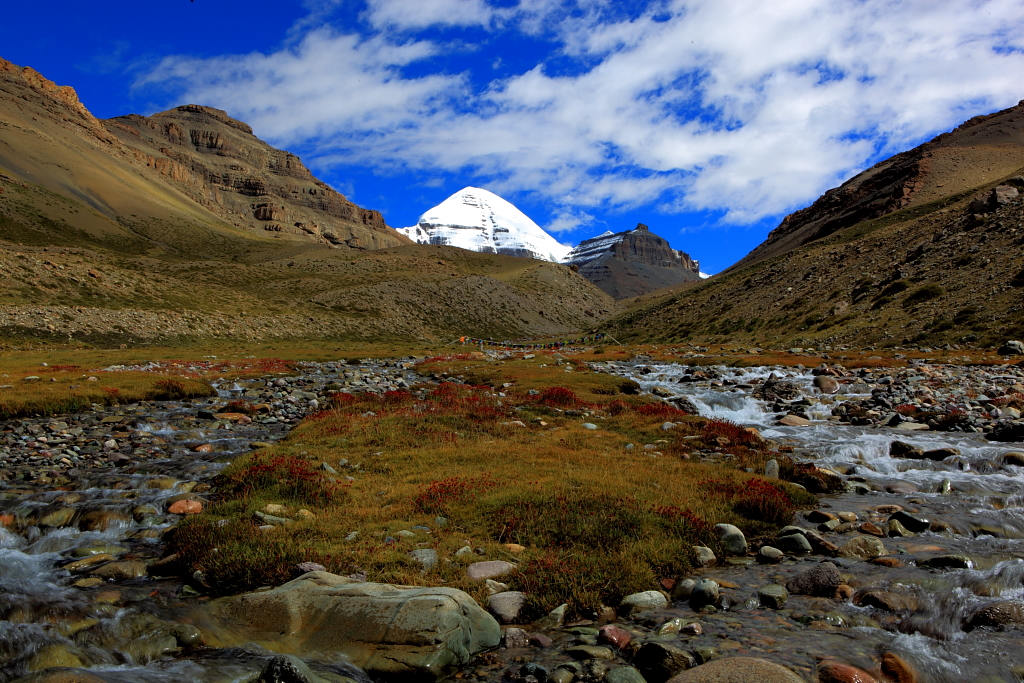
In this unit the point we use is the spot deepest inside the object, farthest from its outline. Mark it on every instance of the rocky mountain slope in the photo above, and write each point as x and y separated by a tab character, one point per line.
925	248
152	229
480	220
632	263
979	151
220	164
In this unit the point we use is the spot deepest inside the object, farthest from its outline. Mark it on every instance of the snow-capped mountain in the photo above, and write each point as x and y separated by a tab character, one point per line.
479	220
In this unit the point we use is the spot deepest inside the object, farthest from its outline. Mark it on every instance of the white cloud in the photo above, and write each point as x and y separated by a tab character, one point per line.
748	108
569	221
406	15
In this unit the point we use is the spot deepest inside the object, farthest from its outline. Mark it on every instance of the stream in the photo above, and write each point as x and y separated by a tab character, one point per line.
84	500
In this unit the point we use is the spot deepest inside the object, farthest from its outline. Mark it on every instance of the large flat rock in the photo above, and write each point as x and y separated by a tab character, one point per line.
392	632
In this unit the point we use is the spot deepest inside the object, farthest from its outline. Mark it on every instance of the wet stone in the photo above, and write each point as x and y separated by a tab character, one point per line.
863	548
821	580
732	539
705	592
773	596
952	561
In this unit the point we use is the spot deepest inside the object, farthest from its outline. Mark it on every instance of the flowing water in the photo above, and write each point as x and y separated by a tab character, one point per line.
67	497
974	500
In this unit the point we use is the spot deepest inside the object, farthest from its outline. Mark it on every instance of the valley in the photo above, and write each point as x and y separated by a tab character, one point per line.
251	432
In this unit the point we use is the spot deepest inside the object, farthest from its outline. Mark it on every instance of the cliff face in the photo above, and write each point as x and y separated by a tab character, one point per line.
219	163
979	151
631	263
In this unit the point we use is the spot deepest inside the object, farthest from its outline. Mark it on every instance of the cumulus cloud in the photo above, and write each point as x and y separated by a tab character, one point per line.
750	109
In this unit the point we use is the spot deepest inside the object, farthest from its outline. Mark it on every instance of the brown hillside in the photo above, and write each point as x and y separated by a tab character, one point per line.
925	248
980	151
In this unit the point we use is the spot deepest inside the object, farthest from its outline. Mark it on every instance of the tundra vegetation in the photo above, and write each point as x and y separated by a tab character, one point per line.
592	490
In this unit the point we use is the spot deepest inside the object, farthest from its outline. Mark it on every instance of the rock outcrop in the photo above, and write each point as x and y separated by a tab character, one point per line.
392	632
219	163
631	263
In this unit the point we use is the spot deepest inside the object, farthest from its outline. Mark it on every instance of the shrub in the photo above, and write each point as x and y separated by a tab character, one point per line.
286	476
923	293
235	555
437	496
763	501
732	433
558	397
169	389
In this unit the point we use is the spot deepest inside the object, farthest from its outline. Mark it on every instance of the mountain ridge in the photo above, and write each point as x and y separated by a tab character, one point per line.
99	246
924	248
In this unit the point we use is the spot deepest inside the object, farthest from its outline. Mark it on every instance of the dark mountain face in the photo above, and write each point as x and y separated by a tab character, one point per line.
632	263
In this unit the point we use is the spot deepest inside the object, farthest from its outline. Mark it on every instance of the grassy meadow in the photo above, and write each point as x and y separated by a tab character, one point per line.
567	473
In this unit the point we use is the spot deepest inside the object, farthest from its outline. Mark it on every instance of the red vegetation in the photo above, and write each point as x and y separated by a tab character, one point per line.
293	477
733	433
763	501
438	495
699	526
559	397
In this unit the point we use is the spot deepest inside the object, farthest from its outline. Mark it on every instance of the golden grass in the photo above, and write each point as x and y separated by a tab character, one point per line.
64	389
464	466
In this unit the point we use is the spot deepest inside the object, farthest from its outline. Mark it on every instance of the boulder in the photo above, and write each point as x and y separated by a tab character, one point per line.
489	569
1012	348
863	548
821	580
507	605
392	632
1006	431
996	615
639	602
705	592
826	384
732	539
835	672
738	670
902	449
659	662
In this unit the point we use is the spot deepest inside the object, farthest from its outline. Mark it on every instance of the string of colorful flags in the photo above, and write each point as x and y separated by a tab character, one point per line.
534	346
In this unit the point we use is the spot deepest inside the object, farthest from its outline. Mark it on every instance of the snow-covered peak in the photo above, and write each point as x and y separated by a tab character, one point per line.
479	220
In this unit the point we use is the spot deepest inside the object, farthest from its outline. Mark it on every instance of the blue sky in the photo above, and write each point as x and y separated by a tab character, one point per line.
709	121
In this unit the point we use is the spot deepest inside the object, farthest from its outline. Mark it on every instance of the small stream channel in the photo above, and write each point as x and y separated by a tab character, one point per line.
85	500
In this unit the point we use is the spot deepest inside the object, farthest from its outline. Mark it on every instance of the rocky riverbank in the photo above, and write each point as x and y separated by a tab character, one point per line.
909	570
